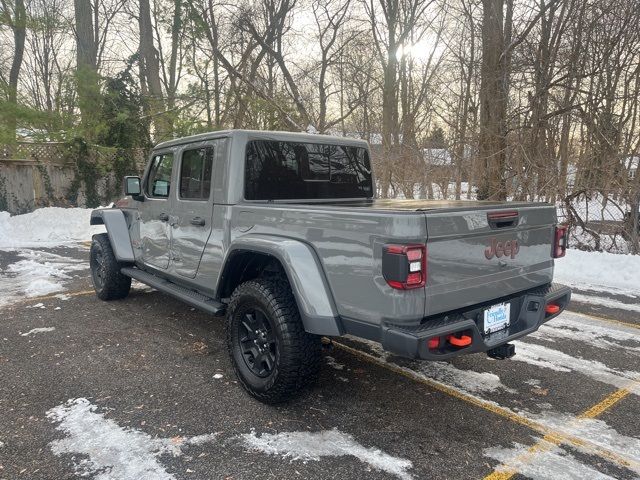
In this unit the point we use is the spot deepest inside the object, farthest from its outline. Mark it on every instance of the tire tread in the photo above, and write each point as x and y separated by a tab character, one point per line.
300	352
115	285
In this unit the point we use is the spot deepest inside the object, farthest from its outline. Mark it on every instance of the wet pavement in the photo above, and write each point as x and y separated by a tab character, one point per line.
143	388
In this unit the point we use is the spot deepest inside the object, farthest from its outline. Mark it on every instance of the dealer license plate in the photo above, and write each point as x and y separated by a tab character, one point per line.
497	318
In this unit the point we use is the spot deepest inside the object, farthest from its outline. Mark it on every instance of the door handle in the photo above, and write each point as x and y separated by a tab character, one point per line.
164	217
198	221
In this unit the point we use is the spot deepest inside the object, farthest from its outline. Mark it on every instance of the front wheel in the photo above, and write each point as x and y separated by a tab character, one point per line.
273	357
108	282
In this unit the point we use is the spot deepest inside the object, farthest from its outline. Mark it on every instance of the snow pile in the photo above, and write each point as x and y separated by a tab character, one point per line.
47	227
40	273
599	271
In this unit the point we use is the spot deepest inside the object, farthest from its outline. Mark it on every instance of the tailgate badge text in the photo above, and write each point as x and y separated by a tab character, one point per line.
497	249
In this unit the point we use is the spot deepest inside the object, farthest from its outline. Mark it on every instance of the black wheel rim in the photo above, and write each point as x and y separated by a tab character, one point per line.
257	342
97	266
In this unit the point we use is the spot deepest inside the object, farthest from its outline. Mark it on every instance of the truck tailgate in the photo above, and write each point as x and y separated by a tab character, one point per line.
483	253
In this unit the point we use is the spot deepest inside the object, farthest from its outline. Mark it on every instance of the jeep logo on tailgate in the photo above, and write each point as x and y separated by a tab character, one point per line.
510	248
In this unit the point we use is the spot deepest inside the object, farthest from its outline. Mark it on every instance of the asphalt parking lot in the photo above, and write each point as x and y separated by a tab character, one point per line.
143	388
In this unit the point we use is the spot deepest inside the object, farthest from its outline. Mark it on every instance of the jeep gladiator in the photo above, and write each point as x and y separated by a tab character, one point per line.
283	234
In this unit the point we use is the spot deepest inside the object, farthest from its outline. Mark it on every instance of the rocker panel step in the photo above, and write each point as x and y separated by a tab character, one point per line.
191	297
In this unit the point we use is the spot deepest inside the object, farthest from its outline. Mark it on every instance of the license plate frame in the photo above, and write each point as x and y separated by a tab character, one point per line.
497	317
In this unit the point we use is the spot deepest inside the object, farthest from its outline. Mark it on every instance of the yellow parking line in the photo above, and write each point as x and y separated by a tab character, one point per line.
411	375
607	320
505	472
607	403
550	434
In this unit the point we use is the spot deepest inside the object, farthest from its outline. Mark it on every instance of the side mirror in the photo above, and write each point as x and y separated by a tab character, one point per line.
132	186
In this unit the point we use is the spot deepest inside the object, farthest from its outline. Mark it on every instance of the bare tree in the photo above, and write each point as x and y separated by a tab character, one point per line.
493	101
150	68
86	65
15	16
47	68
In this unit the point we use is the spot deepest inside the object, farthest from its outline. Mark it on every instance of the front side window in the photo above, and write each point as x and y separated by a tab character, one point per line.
159	180
195	174
289	170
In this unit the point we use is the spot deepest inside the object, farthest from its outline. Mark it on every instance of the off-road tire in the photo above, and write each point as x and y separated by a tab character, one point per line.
108	282
298	353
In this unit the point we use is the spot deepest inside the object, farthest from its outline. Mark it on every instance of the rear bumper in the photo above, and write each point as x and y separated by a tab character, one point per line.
528	313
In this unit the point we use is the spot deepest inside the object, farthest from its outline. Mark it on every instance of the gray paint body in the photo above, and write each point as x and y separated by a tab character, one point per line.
332	250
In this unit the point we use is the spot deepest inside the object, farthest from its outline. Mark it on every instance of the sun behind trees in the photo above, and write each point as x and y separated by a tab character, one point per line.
536	100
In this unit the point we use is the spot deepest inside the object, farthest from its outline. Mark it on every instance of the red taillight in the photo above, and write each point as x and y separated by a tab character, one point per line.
433	343
561	239
405	266
414	254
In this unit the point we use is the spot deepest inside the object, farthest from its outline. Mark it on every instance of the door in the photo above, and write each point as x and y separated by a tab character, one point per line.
154	212
192	210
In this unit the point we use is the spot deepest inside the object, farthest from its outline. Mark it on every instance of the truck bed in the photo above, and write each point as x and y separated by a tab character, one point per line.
349	235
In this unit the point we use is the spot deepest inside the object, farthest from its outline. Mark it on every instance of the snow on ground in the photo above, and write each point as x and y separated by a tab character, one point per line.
605	302
558	361
550	461
333	363
599	271
306	446
99	446
39	273
596	431
468	380
574	328
47	227
446	373
38	330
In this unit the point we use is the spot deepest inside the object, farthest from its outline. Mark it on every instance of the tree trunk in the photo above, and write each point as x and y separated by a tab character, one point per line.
389	103
172	88
152	72
464	120
493	103
19	34
86	70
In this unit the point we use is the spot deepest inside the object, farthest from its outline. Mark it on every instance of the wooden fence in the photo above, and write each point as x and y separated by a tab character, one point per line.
37	174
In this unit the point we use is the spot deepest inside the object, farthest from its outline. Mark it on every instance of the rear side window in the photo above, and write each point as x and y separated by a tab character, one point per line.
195	174
288	170
159	180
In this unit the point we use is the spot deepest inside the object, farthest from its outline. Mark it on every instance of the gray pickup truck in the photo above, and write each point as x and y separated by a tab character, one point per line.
282	233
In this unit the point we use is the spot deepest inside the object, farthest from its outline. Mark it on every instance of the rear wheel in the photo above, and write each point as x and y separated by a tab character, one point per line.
273	357
108	282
